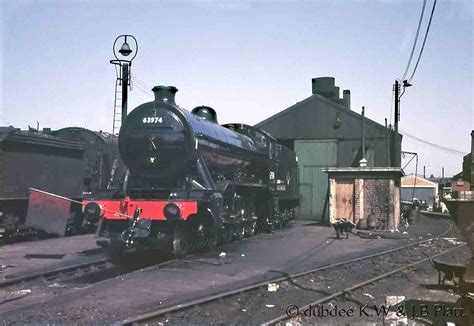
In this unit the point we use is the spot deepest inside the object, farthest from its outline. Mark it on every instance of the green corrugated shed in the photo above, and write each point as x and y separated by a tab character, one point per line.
325	132
313	156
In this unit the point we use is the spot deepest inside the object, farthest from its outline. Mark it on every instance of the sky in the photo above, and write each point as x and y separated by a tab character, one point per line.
246	59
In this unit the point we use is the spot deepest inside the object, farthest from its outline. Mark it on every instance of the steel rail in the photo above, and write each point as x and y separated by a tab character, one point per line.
54	272
355	287
206	299
78	290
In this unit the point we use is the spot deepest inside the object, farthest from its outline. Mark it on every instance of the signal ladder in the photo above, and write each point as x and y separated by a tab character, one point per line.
117	104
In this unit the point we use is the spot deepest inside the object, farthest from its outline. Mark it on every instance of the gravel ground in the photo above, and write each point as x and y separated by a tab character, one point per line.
261	305
419	287
77	250
297	248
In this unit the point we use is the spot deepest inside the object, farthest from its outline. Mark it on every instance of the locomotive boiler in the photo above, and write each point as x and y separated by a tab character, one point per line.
193	183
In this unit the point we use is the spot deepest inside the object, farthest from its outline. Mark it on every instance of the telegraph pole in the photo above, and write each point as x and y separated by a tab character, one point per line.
395	143
397	105
394	139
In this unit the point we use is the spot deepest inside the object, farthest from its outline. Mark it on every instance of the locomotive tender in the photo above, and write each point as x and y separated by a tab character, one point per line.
191	181
37	160
102	166
71	162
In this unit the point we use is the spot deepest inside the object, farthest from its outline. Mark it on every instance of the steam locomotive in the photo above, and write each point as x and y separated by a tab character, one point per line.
71	162
193	183
102	166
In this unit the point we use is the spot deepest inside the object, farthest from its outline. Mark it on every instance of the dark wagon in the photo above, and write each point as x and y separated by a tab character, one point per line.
29	159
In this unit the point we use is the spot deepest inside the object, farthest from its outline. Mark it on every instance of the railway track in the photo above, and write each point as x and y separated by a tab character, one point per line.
234	300
291	316
54	283
61	274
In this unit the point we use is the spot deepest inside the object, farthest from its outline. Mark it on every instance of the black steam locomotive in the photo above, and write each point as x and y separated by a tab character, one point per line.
70	162
192	182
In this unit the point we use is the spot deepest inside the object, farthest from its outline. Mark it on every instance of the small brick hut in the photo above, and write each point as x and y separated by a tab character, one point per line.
367	196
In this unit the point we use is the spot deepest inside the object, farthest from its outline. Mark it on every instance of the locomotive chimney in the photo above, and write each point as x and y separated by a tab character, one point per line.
165	94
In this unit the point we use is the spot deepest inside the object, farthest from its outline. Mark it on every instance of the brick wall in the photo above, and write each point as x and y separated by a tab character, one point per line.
376	202
357	184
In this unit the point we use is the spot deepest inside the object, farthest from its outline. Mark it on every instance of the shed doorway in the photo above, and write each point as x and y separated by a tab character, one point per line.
313	157
345	200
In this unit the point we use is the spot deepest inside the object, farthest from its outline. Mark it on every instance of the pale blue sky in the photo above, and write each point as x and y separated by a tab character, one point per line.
248	60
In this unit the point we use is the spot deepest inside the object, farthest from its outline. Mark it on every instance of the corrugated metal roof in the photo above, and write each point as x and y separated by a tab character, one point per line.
316	97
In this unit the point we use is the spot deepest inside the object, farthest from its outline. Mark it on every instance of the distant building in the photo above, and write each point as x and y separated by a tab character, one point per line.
460	185
420	188
468	164
324	133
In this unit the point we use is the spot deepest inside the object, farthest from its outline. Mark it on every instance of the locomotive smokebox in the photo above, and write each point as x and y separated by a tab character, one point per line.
165	94
153	141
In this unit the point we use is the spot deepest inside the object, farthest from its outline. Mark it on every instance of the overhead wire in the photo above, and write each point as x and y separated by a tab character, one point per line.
424	40
416	40
138	81
141	81
141	85
144	91
425	142
415	68
415	138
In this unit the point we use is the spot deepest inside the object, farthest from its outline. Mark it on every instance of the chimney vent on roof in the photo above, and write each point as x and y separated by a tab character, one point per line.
346	98
336	94
326	86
